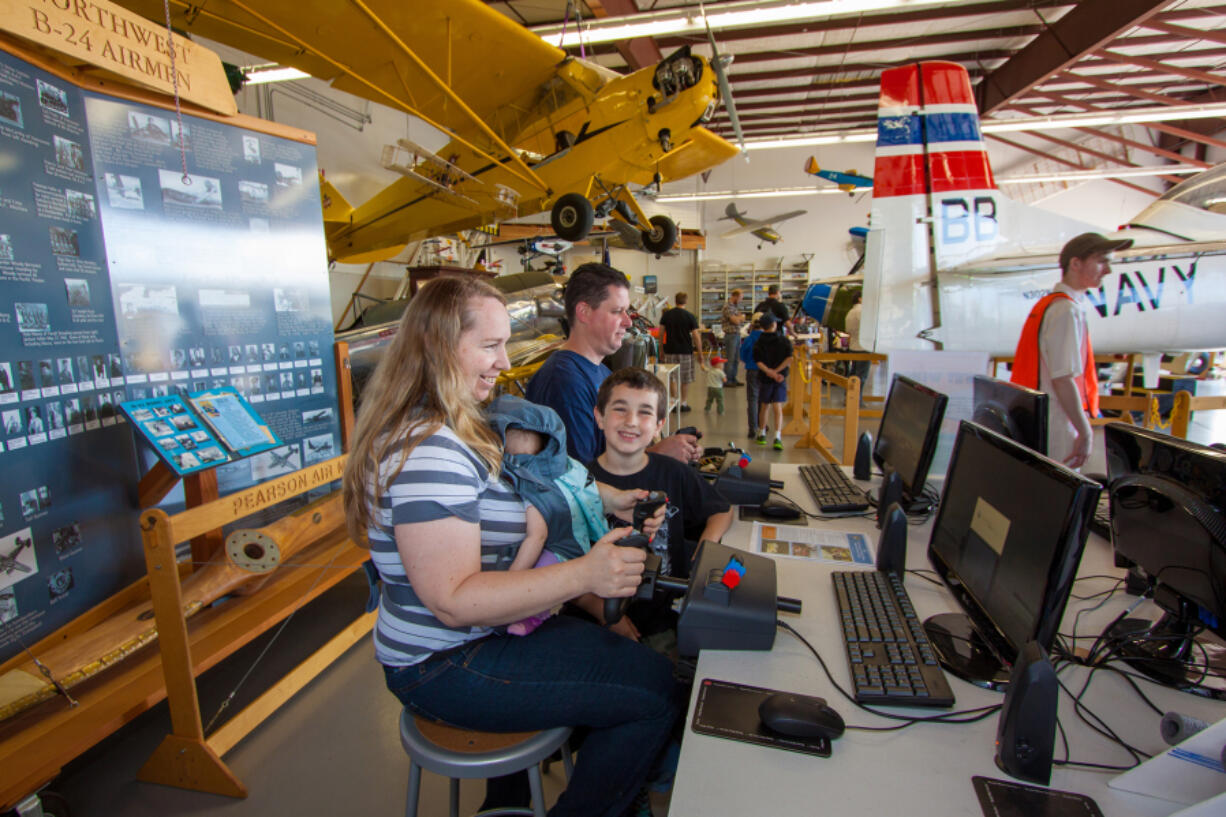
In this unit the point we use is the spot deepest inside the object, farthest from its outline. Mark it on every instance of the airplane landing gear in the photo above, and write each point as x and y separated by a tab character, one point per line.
662	235
572	217
666	139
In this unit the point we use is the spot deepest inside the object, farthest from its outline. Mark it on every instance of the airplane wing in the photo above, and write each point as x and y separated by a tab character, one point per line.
703	150
781	217
757	224
499	72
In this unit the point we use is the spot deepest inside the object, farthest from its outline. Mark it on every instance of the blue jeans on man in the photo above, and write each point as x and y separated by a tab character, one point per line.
566	673
732	348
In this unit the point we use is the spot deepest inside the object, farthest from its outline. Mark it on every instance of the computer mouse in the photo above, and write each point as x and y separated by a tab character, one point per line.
800	717
776	509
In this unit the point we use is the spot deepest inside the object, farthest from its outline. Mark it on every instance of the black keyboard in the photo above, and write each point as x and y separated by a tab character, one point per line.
892	661
831	489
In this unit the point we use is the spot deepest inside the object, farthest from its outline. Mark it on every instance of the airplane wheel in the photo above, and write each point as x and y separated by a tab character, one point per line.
572	217
1198	365
662	235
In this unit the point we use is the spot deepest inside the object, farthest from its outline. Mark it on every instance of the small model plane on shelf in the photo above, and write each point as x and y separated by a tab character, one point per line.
759	229
849	182
531	129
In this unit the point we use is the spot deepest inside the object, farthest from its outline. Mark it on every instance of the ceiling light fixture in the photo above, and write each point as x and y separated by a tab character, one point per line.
271	72
1127	116
690	20
1072	175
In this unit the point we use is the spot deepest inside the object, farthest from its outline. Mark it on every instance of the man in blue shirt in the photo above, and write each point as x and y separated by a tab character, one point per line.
597	301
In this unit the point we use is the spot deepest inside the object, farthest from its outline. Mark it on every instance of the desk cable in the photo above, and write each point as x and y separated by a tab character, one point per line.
973	715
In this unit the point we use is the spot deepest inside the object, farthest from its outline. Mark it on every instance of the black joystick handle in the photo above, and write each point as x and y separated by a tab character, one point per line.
613	608
645	508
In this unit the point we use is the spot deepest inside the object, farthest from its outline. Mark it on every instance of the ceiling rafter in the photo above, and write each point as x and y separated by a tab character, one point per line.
1064	143
1090	25
1123	140
1139	93
1165	67
1187	33
1066	162
638	52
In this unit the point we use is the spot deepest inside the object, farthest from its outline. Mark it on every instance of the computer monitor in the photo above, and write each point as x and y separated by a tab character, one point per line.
1007	542
1011	410
1168	520
908	436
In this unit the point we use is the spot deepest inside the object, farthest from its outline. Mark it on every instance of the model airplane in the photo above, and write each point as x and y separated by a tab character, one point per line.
848	182
530	128
9	563
961	268
759	229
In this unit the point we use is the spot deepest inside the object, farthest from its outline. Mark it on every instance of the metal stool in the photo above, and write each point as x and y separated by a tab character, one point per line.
462	753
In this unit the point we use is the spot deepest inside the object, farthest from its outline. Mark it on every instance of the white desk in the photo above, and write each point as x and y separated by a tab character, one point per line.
925	769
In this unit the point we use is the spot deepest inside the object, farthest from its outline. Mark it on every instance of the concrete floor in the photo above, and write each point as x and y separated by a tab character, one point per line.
334	749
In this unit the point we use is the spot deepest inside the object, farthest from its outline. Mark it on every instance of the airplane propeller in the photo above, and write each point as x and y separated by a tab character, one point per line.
719	62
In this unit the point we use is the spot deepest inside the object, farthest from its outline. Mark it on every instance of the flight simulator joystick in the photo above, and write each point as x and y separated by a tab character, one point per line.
643	510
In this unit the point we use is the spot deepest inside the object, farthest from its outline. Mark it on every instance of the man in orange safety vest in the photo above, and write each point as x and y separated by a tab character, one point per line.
1054	353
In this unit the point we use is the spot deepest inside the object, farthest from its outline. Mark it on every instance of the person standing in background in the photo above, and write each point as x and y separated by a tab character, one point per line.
731	320
682	341
774	306
1054	353
859	368
751	376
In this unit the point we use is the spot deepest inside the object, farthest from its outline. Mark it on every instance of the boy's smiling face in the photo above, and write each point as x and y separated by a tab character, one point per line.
629	420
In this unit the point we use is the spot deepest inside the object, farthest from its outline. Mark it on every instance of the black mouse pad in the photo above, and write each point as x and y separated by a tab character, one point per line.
749	513
728	710
1007	798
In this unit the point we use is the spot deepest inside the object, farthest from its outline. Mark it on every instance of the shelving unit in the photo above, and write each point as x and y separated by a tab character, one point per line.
716	279
670	373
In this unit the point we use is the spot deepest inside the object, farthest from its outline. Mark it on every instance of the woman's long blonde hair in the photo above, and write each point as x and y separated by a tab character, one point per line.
416	389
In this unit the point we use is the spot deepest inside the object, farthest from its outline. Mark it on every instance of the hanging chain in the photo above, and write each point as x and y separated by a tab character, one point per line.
174	77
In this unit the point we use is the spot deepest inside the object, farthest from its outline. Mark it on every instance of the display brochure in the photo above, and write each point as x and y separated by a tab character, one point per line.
814	544
205	430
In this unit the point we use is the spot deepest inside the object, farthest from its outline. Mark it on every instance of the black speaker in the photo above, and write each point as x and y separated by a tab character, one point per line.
1026	732
889	494
863	469
892	543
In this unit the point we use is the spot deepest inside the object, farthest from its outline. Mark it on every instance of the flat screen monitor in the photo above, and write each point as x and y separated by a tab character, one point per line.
1011	410
908	436
1007	542
1168	520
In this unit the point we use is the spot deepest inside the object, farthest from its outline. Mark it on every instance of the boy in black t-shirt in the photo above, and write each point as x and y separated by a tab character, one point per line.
630	411
773	354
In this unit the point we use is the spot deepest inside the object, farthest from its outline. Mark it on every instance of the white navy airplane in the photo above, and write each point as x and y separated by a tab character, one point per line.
952	264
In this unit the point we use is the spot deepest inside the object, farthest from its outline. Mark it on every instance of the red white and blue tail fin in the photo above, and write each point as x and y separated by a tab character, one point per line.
935	205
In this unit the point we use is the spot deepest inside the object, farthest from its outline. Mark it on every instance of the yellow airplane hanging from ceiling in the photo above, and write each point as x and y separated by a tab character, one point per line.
530	128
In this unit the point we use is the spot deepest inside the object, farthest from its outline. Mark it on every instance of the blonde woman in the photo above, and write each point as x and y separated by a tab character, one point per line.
422	487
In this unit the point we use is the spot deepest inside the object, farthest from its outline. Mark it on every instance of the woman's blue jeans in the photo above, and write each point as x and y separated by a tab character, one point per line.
566	673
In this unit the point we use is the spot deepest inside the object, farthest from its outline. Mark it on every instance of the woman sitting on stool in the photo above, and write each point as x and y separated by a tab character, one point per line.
422	486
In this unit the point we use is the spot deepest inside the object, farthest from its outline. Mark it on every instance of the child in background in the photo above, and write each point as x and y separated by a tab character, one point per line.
773	354
716	377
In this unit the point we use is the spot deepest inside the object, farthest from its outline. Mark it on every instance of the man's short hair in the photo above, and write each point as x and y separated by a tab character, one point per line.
773	289
589	284
681	298
735	293
635	378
